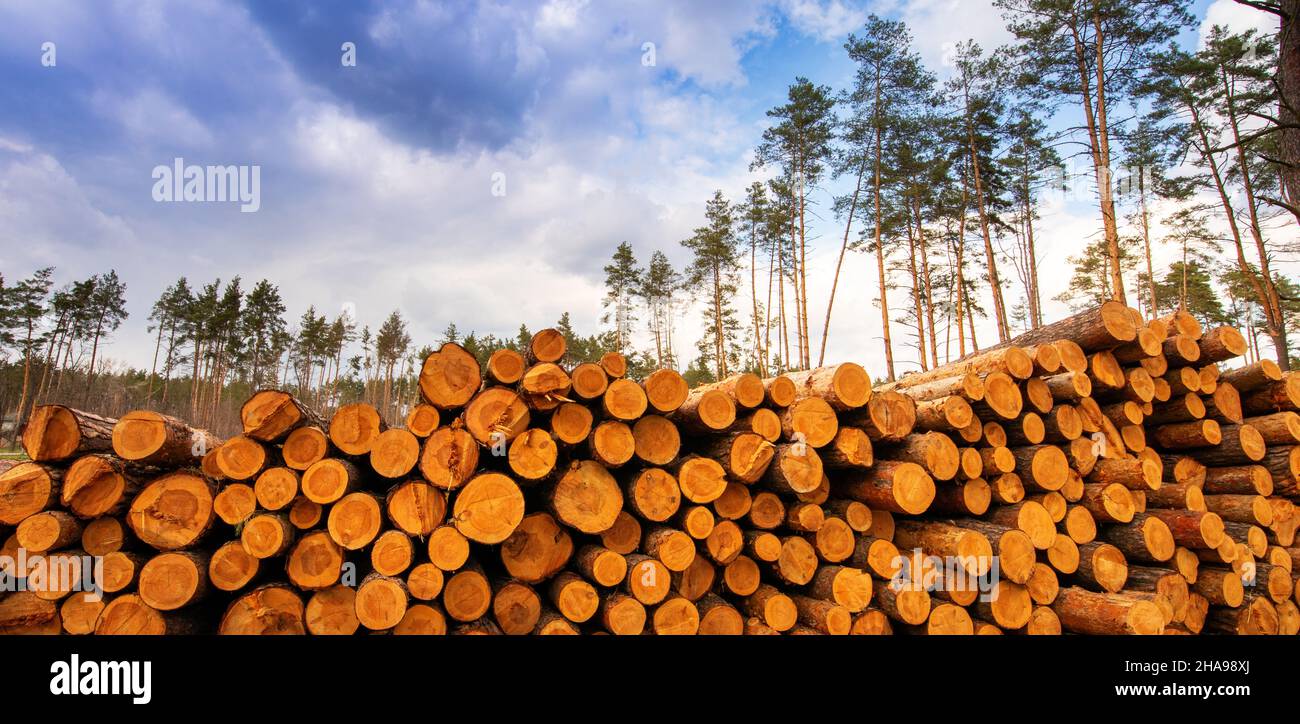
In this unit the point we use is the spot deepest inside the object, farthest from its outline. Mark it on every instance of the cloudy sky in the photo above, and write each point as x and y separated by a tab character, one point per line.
377	181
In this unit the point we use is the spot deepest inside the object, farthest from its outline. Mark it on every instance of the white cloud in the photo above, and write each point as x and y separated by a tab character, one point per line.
827	20
1236	17
152	115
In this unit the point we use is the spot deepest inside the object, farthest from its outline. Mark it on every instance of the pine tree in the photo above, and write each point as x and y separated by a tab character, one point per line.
622	275
107	312
712	273
1093	53
976	92
1032	165
1206	96
659	290
889	81
1190	287
1145	181
391	345
799	143
263	318
24	306
753	216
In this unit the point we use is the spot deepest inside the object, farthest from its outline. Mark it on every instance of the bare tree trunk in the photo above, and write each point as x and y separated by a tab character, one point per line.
719	334
94	350
1100	149
153	370
929	288
880	255
1104	189
753	293
167	365
1273	309
995	284
767	313
800	332
844	247
1146	240
806	347
917	308
27	376
784	328
961	269
1260	290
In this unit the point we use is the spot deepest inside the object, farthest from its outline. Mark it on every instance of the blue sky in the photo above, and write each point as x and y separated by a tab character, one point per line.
377	180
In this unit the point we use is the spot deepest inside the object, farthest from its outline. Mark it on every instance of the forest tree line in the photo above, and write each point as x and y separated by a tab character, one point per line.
213	345
943	183
940	183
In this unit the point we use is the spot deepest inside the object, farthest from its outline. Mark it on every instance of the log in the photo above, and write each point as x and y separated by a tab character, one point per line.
1199	433
533	455
355	428
1139	473
467	595
1030	517
1104	327
934	451
1105	614
1259	618
1224	404
899	487
1274	397
571	423
270	415
1222	343
943	414
665	390
611	443
1069	386
449	377
494	417
304	447
626	400
173	511
98	485
490	506
888	417
1146	344
1279	428
329	480
547	345
267	534
851	448
231	568
422	420
589	381
1252	376
273	609
587	497
173	580
354	521
151	438
537	549
56	432
1239	445
1002	398
1192	529
707	411
1102	567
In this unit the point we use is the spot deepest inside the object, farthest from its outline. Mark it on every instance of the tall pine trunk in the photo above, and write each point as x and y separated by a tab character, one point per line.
844	247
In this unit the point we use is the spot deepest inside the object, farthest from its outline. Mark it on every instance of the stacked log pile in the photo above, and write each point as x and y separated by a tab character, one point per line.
1100	475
